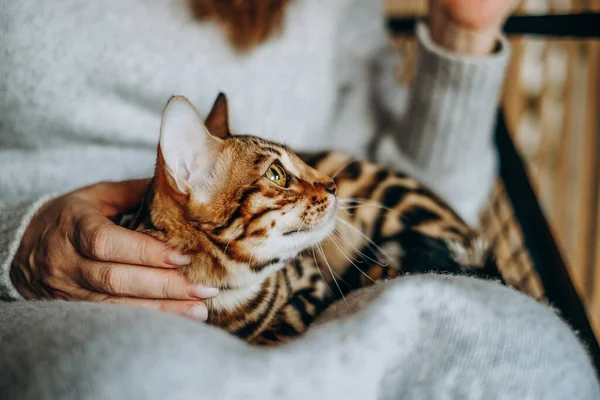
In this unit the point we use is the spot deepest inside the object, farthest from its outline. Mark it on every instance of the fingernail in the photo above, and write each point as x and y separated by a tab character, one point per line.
197	312
203	292
174	258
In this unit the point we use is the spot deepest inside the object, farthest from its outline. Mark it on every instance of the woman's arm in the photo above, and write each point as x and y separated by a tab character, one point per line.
446	130
438	129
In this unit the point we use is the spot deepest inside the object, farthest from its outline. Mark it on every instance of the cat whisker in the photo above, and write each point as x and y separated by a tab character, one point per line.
346	211
355	203
331	271
301	226
338	275
319	269
352	159
350	207
361	254
250	259
341	279
357	200
344	254
360	206
371	243
335	232
319	225
227	245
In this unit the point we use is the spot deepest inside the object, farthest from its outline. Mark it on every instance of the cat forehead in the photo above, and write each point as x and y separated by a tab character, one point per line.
261	150
256	143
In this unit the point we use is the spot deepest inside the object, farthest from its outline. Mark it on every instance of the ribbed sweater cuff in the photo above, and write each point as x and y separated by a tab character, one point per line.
14	219
452	106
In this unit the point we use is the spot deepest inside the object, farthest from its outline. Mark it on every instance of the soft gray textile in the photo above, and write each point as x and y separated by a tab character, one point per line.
83	84
424	337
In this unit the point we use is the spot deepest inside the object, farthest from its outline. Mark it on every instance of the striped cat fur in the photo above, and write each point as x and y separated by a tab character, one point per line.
283	235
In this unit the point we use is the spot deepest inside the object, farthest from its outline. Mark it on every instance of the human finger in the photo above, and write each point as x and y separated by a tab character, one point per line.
100	239
142	282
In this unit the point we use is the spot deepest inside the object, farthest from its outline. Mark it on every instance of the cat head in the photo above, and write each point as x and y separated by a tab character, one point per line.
238	202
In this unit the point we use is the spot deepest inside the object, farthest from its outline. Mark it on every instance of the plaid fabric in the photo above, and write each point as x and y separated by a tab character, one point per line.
499	225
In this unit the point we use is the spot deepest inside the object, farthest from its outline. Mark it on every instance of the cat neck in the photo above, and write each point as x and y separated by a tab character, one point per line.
248	285
231	299
211	265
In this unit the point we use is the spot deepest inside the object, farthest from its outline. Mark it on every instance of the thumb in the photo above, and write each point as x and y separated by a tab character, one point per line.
112	198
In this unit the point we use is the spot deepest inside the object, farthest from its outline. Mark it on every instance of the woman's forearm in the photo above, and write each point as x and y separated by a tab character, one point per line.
446	131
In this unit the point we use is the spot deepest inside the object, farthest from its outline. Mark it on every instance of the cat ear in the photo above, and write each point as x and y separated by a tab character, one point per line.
188	149
217	121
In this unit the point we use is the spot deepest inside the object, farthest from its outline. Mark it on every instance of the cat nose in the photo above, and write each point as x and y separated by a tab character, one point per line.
331	187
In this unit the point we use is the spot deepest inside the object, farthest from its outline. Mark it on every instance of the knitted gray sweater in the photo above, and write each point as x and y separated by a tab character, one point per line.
82	86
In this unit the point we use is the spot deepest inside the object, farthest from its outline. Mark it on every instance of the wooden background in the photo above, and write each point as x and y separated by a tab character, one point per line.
552	101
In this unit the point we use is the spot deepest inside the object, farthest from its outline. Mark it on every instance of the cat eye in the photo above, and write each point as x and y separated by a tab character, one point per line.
277	175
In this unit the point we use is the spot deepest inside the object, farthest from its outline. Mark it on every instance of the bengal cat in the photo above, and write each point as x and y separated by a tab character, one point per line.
284	235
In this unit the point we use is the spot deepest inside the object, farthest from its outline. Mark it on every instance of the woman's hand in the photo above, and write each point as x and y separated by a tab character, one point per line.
468	26
71	250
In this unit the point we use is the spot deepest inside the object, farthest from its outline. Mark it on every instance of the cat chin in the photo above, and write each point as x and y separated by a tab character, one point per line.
249	283
305	239
288	244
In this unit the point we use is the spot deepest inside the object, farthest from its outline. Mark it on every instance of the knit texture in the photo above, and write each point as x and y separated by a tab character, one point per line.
423	337
440	81
444	136
83	84
82	87
20	214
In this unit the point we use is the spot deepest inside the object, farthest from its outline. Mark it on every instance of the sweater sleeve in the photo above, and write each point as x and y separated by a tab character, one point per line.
445	132
439	128
14	219
451	105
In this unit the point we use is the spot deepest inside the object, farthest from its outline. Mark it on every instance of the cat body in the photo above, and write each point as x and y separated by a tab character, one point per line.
284	235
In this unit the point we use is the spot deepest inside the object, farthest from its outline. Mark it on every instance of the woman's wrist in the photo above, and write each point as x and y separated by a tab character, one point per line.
460	39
